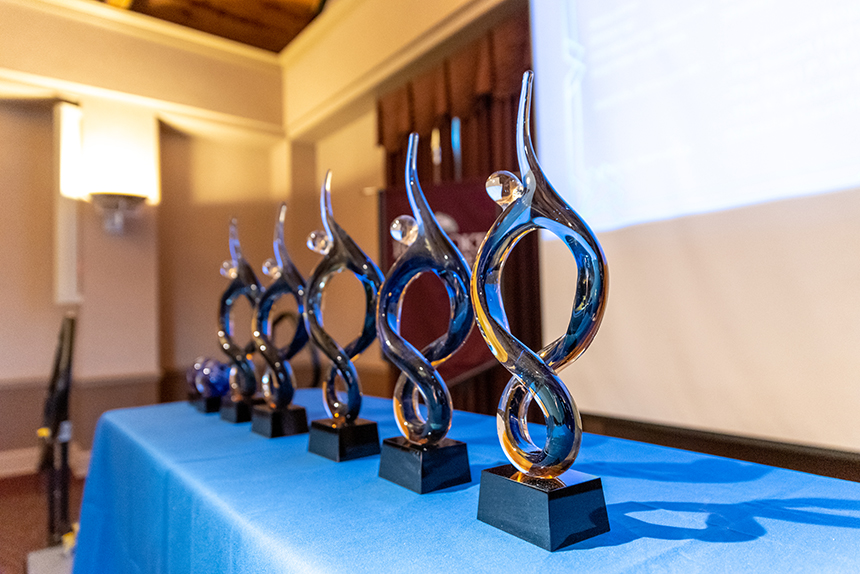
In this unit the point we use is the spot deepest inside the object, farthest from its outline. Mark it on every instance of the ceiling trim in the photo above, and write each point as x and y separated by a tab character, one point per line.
71	91
154	30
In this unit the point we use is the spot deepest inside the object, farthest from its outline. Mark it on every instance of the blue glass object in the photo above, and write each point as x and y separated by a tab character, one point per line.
209	378
530	202
243	382
428	249
340	253
277	381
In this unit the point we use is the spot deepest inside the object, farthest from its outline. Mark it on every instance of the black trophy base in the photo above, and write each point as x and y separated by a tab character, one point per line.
272	423
206	404
237	411
550	513
341	441
424	469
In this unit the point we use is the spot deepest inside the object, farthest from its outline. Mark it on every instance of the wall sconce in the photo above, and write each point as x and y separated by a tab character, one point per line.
100	143
112	146
114	208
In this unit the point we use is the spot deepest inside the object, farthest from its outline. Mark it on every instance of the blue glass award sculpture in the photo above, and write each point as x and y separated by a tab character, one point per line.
537	497
236	406
278	416
343	435
422	459
208	381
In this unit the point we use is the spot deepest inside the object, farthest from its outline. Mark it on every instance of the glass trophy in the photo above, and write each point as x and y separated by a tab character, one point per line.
538	497
422	459
237	404
278	416
342	436
208	381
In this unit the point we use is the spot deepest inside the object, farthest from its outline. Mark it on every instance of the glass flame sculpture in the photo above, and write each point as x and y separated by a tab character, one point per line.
428	249
243	382
340	253
277	382
529	202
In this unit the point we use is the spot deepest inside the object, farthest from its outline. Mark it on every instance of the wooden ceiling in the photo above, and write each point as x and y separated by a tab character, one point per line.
266	24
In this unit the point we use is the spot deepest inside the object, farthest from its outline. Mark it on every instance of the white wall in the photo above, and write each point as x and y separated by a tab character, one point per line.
743	321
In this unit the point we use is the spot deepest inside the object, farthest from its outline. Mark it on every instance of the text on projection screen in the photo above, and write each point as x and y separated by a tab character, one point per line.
692	106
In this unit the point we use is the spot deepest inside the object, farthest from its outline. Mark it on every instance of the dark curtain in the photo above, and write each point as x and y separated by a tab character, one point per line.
480	85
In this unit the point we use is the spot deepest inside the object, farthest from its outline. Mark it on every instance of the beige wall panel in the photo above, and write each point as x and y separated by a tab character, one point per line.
30	320
204	184
117	331
303	207
743	321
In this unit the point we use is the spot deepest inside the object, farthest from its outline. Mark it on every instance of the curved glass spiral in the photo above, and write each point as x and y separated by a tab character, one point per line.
530	203
243	382
340	254
428	250
277	381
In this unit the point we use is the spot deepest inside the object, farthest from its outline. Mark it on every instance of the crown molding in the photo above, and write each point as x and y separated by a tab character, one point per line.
153	30
170	112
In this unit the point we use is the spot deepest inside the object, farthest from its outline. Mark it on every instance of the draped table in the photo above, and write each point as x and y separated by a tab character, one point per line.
172	490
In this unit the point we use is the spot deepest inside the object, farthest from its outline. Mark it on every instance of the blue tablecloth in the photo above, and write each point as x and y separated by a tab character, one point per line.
173	490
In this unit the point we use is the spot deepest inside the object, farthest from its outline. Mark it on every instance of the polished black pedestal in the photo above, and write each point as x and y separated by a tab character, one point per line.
341	441
206	404
424	469
239	411
272	423
548	513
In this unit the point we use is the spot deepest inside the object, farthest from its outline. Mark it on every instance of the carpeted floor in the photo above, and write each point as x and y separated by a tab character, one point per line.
24	518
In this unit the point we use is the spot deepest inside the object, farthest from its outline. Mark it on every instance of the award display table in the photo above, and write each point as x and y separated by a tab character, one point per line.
172	490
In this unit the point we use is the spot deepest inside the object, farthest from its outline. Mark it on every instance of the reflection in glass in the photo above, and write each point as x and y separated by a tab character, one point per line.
208	378
530	202
277	381
340	253
243	383
428	249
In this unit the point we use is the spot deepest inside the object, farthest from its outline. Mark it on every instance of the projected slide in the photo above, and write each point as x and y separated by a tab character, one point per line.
689	106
